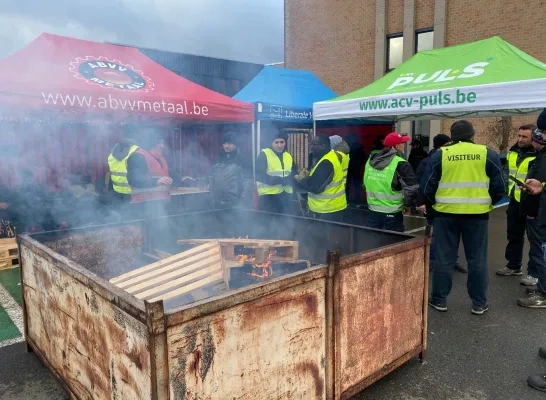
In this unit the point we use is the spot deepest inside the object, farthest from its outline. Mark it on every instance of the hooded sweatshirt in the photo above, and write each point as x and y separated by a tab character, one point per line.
342	147
404	179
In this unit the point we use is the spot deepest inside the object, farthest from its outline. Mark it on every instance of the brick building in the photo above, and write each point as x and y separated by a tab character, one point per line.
350	43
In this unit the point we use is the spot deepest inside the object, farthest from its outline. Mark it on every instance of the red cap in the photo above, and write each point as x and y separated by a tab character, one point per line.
394	139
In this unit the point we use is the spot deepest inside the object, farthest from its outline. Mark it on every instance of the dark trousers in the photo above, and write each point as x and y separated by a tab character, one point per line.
389	222
275	203
448	232
332	217
432	256
515	234
536	257
541	273
354	185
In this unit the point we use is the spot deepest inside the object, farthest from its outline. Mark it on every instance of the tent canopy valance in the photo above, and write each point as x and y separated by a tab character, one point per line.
283	94
83	78
485	78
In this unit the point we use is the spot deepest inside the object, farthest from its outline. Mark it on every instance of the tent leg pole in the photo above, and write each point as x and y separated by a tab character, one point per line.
314	128
253	153
258	138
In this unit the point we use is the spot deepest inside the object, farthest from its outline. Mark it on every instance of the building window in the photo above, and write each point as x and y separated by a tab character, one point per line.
395	50
424	39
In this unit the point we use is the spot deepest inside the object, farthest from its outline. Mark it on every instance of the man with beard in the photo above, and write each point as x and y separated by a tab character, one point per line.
519	158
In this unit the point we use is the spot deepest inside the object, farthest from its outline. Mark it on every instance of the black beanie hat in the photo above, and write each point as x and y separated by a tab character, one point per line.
280	135
230	137
440	140
461	130
541	121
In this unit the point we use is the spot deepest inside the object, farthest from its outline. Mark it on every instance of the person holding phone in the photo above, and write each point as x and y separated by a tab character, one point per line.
518	162
530	205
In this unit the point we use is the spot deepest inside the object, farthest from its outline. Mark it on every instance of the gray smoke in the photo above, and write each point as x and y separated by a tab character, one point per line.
239	30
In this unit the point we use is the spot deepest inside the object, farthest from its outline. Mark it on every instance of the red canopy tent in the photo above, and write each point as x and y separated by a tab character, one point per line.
79	76
60	96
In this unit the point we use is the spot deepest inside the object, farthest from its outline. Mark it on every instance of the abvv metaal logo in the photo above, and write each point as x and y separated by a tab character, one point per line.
108	73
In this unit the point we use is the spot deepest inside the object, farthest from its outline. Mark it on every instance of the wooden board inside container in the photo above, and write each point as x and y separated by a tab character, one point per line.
260	247
176	275
9	254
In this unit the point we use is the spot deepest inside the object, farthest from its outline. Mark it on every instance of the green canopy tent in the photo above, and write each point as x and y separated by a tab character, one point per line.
481	79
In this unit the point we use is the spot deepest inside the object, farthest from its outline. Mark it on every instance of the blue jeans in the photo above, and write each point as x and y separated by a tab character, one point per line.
432	256
449	231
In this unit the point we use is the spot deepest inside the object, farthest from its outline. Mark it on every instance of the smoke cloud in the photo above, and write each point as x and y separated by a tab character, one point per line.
251	31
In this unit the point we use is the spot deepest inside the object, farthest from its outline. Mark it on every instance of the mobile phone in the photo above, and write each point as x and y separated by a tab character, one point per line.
518	182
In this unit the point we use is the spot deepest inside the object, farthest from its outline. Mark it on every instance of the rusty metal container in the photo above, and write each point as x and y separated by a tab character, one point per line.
326	332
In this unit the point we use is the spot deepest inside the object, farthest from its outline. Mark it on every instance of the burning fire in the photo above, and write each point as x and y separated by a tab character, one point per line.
265	267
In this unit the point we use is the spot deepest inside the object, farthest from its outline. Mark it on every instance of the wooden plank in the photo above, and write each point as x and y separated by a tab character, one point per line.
178	273
215	278
165	269
164	262
175	283
163	254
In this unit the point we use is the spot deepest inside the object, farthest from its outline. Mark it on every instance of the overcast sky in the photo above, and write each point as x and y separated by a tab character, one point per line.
244	30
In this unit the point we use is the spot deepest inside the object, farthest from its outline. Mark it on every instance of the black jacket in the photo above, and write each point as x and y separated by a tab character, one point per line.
530	204
322	177
226	176
419	174
404	178
433	174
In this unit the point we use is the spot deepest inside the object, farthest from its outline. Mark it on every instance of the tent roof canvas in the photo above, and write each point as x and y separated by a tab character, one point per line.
282	92
484	78
79	76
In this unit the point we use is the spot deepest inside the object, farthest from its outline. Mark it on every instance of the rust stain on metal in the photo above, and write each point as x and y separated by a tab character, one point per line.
383	310
268	309
78	332
267	348
313	370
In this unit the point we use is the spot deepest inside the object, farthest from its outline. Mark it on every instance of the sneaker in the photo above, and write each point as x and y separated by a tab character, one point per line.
530	290
460	268
479	310
537	382
534	301
542	352
529	281
437	305
509	272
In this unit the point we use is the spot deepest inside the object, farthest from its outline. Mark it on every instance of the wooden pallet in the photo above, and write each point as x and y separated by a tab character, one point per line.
261	249
176	275
9	254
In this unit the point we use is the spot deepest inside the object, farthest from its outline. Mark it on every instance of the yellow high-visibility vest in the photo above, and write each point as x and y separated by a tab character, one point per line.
332	199
464	184
517	171
378	182
344	165
274	168
118	172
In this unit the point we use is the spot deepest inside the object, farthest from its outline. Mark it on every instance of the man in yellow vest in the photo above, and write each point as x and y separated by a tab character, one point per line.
117	163
391	185
462	182
275	171
517	165
325	184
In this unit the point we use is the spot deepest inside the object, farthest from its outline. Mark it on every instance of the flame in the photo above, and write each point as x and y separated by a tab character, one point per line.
245	257
265	267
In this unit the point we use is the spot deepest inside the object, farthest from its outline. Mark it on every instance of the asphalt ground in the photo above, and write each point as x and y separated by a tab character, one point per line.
469	357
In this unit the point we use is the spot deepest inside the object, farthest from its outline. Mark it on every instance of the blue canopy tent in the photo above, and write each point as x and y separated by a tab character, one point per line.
284	95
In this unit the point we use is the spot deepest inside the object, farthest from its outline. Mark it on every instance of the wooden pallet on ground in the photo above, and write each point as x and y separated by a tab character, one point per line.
176	275
9	254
